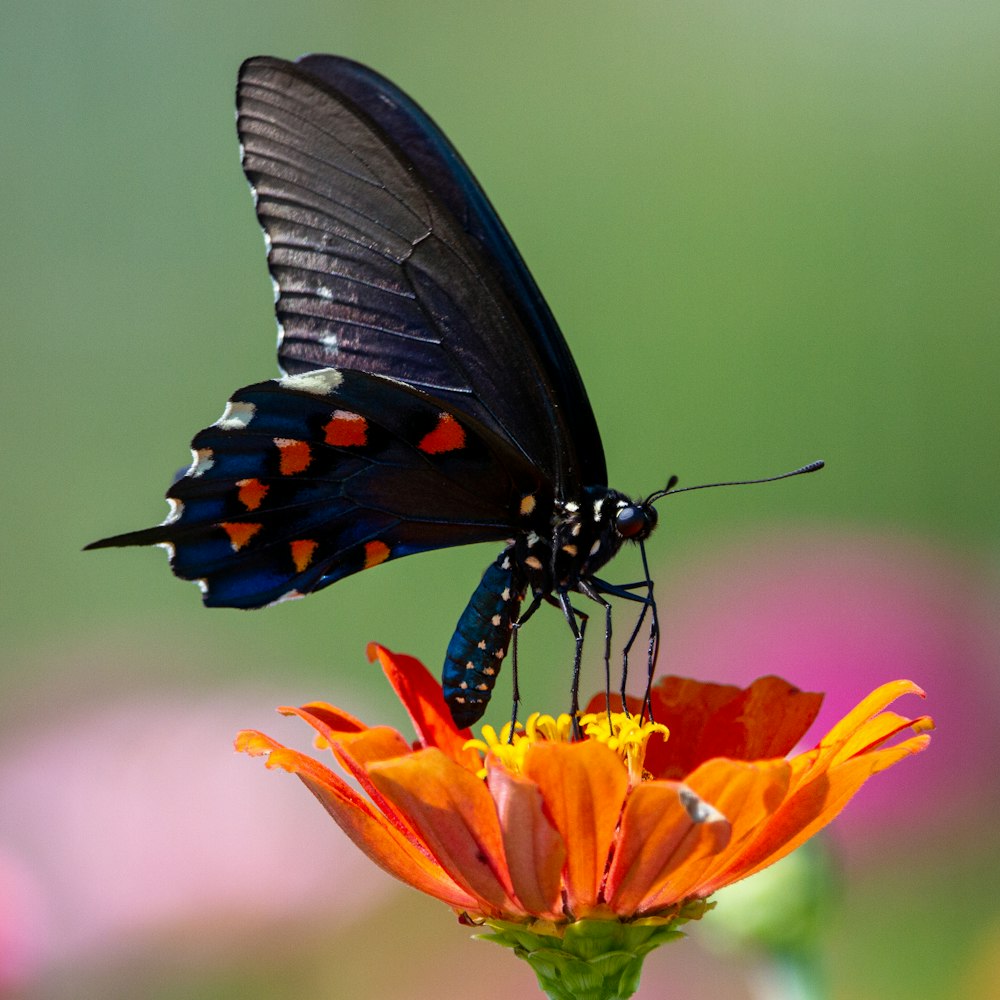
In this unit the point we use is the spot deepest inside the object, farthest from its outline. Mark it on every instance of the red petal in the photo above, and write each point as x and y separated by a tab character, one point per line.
535	852
421	696
583	786
764	720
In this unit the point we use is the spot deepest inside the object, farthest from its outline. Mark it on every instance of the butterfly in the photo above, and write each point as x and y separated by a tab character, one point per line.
428	397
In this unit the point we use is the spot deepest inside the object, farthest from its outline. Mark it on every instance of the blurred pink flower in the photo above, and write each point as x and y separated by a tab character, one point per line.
838	612
20	924
135	818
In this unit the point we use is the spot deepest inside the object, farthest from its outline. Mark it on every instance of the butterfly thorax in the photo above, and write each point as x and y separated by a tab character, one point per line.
582	536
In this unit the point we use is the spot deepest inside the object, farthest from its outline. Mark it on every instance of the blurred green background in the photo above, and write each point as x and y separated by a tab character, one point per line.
770	232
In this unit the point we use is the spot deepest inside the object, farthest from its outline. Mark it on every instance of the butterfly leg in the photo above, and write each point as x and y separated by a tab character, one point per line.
589	590
571	614
535	604
653	650
625	591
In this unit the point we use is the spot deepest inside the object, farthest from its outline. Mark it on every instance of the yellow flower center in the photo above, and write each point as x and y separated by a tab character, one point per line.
627	735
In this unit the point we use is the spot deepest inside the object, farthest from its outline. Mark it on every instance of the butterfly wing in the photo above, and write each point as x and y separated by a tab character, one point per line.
388	258
306	479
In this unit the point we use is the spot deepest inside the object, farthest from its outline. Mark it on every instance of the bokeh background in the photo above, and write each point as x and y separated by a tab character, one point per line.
770	231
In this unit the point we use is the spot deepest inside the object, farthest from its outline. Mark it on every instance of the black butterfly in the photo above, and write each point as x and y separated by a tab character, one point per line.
429	397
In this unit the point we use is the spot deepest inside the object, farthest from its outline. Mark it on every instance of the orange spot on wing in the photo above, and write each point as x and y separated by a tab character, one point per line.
375	553
449	435
295	456
302	552
251	493
346	430
240	532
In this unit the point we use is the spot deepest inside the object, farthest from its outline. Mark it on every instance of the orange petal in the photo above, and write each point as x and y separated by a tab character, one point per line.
382	842
808	809
747	794
355	747
877	731
868	708
329	715
355	751
421	696
453	812
375	744
535	852
663	825
583	786
364	745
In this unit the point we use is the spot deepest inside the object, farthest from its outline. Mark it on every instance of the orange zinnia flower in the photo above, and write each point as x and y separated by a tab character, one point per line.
597	846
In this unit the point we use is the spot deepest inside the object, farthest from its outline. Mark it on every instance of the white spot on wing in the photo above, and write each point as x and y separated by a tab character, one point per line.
319	383
201	461
236	416
176	509
323	292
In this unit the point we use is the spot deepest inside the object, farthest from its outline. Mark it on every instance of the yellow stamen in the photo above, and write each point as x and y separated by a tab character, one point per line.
625	734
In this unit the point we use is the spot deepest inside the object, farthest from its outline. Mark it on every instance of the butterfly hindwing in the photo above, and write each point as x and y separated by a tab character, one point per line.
309	478
399	266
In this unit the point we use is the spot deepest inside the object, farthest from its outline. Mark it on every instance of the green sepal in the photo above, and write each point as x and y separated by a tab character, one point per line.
591	959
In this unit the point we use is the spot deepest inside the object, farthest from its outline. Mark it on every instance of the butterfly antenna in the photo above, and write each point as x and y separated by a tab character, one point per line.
672	482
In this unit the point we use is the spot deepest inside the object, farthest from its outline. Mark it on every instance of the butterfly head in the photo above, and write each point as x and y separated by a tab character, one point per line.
635	521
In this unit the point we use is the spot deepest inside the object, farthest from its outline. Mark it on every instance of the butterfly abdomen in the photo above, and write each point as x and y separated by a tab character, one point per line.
481	639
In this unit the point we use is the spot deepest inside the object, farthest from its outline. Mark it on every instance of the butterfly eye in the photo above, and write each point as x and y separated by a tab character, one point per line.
635	521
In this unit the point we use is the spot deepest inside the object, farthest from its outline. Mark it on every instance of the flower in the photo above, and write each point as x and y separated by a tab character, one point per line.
584	853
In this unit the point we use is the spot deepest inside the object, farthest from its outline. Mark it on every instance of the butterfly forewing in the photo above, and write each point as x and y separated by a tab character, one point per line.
443	171
398	265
